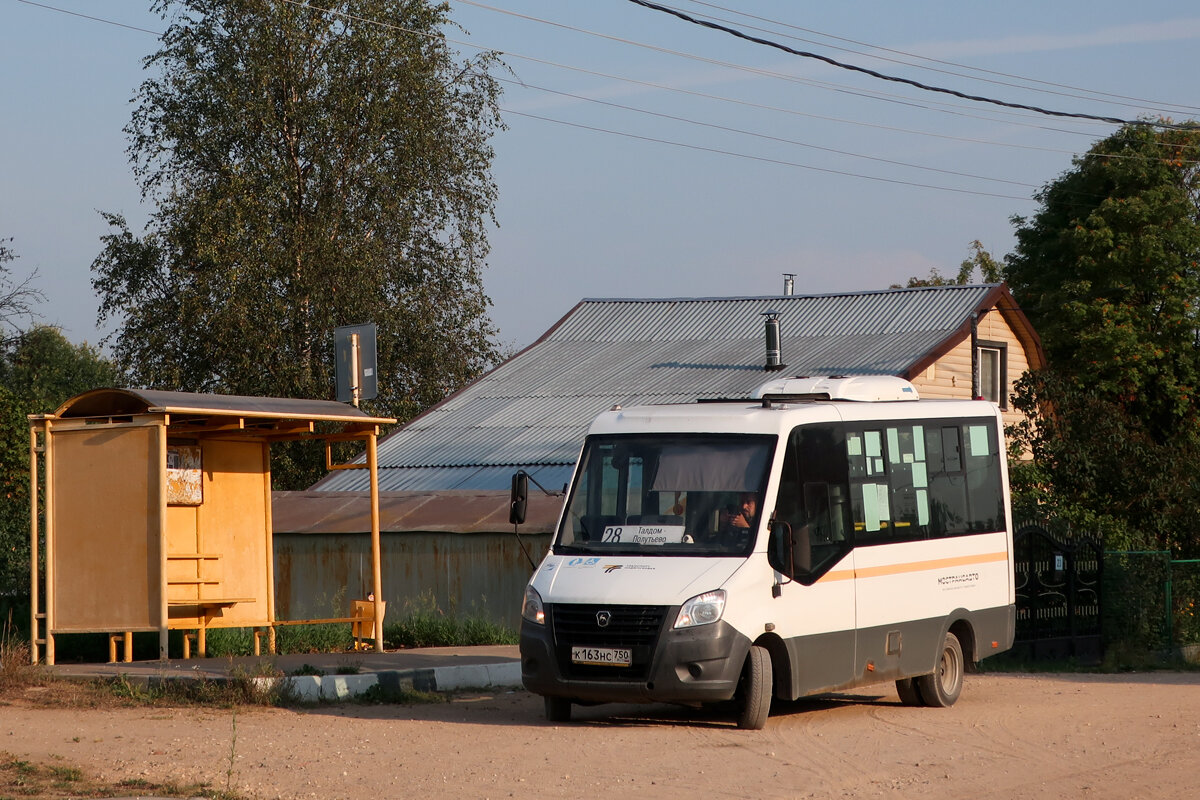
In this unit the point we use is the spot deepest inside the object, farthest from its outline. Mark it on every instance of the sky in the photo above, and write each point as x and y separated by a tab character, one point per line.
647	156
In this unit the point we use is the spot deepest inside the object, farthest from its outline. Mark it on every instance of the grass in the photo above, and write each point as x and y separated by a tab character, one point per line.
16	667
20	778
422	623
383	695
1118	657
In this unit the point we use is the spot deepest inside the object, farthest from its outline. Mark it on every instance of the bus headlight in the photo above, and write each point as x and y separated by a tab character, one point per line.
701	609
532	608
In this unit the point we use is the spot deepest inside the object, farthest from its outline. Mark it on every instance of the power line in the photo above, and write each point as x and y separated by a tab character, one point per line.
766	160
840	88
1158	105
768	137
86	16
947	108
365	20
893	78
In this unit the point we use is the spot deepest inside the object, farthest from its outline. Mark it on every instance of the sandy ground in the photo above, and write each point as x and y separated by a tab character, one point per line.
1009	736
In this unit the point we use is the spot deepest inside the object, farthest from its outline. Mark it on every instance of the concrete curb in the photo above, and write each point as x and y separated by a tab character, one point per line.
318	688
333	688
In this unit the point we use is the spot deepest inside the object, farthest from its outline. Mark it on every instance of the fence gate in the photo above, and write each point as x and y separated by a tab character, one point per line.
1058	595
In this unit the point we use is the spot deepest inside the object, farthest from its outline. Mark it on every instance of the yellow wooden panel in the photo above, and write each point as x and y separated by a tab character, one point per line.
232	522
106	529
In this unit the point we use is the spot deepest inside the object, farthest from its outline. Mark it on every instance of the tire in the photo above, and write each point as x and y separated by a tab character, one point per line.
558	709
754	690
910	695
942	687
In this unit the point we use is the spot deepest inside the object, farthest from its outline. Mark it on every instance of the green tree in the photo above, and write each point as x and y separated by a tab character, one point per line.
311	167
1107	272
1100	469
39	370
990	271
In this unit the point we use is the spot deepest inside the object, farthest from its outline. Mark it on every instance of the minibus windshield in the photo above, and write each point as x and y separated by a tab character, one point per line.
667	495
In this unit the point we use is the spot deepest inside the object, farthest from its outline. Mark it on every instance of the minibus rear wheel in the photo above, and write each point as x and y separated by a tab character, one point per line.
942	687
754	690
558	709
910	695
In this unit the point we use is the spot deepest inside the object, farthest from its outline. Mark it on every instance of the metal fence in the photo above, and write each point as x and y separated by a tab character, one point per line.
1077	600
1152	601
1058	593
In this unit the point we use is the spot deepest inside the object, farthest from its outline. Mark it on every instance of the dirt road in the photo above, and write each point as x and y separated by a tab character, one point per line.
1074	736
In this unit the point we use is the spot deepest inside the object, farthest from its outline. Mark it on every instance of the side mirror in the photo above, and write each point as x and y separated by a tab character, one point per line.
789	551
519	498
779	549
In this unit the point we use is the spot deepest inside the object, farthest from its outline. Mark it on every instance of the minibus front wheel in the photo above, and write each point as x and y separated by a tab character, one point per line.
754	690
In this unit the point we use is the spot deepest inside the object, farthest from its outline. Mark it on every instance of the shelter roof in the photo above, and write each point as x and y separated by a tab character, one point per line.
198	411
532	411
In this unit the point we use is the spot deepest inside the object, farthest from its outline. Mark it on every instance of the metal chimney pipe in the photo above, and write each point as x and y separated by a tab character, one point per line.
789	283
774	362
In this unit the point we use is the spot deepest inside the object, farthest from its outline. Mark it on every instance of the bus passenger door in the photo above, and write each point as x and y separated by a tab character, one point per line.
813	511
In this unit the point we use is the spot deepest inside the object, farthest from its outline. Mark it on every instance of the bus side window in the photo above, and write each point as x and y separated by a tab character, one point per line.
983	478
870	494
947	486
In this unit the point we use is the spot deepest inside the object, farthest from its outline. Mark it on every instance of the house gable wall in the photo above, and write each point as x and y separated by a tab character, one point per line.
950	376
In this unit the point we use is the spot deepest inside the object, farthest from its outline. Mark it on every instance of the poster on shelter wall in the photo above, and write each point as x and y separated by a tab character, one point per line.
184	484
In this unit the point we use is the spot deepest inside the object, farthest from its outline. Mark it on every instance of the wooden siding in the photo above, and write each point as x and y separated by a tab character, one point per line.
950	376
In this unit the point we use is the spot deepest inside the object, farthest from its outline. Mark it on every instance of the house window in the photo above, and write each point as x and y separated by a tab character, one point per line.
993	372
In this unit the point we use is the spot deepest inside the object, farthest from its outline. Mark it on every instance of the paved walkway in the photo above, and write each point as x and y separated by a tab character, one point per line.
341	675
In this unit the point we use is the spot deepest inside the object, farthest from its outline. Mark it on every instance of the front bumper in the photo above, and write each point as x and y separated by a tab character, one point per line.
691	665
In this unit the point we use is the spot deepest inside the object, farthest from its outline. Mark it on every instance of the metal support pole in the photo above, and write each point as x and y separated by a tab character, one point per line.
270	546
34	545
164	621
376	567
1170	616
355	387
974	355
48	466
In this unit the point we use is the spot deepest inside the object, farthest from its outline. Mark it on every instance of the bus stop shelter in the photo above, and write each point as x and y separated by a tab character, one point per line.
157	511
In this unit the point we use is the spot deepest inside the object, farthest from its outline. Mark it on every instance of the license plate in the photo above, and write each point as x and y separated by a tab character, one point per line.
602	656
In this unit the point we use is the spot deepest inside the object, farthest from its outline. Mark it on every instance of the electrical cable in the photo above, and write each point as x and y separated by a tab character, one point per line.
893	78
1158	105
834	87
86	16
768	137
682	119
766	160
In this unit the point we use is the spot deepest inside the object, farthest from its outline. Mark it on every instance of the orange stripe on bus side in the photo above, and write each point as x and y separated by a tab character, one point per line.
915	566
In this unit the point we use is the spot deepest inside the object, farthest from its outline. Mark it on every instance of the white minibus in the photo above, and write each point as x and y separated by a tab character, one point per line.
826	533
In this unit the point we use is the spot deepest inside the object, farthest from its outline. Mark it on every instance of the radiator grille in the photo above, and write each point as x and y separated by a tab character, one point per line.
634	627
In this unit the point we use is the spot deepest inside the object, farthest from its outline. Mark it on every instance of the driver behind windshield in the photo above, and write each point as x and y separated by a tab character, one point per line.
741	516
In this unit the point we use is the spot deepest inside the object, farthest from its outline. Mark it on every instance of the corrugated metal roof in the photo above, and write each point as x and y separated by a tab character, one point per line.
427	479
471	511
532	411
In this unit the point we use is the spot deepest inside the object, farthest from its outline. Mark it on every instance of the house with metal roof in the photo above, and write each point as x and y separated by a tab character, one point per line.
532	411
